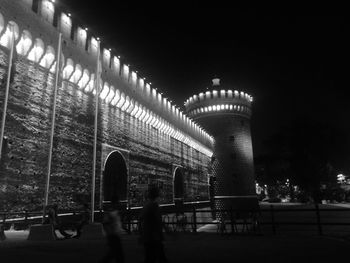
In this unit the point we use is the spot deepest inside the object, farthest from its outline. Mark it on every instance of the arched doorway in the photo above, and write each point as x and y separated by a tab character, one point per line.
178	185
115	178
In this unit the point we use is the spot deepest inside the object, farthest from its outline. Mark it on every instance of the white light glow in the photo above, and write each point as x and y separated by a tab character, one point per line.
84	79
37	51
116	98
25	43
110	95
104	91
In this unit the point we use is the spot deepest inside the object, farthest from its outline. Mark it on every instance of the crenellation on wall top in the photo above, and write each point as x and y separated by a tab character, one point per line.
79	51
217	97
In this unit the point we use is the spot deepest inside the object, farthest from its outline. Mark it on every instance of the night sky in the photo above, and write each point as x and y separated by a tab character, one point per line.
293	63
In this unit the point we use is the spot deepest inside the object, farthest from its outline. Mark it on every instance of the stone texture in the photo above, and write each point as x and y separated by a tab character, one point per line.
23	167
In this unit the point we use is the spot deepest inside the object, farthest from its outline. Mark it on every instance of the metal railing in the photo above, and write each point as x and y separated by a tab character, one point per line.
192	219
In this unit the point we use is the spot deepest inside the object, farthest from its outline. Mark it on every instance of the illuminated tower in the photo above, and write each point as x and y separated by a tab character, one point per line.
225	114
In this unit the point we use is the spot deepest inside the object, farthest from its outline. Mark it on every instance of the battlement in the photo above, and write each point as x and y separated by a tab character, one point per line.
219	102
36	26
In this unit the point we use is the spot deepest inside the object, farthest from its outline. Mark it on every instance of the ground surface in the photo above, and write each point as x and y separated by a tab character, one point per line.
300	243
184	247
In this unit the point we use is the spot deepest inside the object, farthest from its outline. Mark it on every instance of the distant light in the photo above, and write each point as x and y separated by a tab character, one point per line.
86	29
118	56
69	14
52	1
110	49
98	39
340	178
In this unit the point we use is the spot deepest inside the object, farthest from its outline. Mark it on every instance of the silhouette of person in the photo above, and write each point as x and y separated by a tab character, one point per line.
113	227
52	218
84	219
151	229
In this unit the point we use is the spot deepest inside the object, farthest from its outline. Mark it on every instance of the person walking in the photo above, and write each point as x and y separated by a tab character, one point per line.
83	220
151	229
53	218
113	228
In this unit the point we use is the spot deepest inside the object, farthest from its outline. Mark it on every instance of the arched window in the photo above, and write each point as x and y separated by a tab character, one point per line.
53	67
104	91
131	106
126	104
90	86
25	43
68	69
78	72
84	80
135	110
37	51
138	114
99	89
48	58
144	114
11	28
116	98
121	101
111	94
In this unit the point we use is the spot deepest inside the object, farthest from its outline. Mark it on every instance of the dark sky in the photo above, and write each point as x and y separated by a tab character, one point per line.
293	63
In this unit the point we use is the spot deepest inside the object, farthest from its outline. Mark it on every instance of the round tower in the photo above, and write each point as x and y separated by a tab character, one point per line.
225	114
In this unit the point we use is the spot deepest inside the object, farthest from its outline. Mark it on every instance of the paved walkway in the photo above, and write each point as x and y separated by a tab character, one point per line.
185	247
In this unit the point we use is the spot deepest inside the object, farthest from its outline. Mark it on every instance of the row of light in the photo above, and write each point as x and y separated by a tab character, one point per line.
135	109
222	107
214	94
86	82
184	118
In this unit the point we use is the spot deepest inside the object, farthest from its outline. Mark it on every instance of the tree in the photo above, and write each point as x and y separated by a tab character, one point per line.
306	152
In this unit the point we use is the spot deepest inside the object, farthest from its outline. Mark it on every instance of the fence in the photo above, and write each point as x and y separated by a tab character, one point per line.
194	219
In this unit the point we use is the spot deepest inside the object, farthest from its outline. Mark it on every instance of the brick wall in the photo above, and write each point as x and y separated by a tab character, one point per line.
25	153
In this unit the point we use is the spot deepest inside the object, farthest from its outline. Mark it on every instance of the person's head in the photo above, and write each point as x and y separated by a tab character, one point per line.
153	193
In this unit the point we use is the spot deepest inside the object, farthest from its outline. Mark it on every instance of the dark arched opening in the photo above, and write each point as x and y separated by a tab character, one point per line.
115	178
178	185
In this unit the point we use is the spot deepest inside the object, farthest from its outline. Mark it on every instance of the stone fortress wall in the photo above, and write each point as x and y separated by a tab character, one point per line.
153	135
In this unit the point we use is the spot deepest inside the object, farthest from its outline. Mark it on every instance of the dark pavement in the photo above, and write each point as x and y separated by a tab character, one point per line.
183	247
